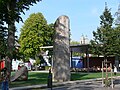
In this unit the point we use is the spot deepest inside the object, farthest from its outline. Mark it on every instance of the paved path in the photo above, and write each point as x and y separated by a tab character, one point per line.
93	84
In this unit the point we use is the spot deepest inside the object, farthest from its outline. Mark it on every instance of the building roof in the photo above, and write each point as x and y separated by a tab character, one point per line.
83	48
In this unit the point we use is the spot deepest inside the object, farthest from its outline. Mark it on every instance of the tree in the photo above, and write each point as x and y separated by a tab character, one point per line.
34	34
11	10
101	43
14	10
116	35
3	31
3	40
115	41
74	43
103	38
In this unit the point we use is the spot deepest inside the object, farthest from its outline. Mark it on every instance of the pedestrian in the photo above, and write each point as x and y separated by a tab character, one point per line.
29	65
5	85
115	70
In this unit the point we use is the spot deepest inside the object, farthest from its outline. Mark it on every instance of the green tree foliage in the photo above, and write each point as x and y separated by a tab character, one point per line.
115	41
34	34
3	40
10	11
74	43
3	31
116	35
101	43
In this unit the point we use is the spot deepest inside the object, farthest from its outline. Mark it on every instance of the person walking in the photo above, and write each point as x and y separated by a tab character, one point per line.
115	70
4	85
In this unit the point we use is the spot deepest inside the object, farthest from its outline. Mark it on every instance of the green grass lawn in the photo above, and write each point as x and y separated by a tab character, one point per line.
84	76
35	78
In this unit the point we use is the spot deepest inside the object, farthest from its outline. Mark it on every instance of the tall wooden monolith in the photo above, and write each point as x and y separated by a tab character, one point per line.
61	50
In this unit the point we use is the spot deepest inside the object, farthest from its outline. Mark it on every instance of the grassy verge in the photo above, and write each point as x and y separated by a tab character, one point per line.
84	76
35	78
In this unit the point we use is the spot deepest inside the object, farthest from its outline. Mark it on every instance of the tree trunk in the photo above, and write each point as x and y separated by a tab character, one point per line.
11	35
11	41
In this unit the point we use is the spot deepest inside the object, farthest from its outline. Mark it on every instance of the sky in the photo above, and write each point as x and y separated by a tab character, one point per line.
84	15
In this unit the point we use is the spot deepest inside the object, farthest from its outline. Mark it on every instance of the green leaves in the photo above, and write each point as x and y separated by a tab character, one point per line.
115	41
10	11
106	39
34	34
101	44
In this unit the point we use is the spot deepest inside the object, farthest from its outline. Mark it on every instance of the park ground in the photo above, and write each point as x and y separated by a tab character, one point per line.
79	81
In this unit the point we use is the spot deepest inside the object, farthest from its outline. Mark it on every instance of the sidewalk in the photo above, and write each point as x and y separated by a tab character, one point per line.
94	84
54	85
